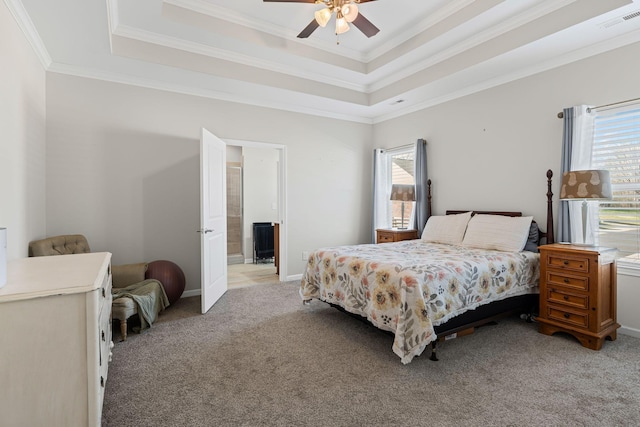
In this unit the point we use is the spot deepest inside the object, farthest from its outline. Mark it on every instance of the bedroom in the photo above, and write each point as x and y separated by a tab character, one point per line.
131	143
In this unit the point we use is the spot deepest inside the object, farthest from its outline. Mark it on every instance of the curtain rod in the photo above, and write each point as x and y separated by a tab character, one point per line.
615	103
561	113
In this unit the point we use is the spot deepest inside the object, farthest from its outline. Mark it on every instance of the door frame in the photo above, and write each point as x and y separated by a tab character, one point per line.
282	194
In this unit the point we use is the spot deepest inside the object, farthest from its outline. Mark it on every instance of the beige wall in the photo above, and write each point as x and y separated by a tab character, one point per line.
22	141
123	170
491	150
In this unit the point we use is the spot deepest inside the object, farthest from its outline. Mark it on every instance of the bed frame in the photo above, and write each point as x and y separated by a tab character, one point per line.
489	313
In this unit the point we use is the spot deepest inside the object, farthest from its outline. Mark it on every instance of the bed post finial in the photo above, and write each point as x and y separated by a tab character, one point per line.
428	198
550	233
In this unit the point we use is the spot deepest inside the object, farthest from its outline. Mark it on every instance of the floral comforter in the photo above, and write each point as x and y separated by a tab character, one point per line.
409	287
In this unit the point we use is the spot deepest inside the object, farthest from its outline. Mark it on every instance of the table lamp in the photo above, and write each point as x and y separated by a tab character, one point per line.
403	193
585	185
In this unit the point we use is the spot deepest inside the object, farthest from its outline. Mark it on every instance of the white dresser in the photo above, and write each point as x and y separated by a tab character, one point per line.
55	340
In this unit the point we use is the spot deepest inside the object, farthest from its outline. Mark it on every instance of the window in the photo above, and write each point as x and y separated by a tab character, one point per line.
616	148
402	171
394	166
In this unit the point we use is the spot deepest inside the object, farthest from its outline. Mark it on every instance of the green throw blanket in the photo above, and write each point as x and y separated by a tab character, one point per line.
149	296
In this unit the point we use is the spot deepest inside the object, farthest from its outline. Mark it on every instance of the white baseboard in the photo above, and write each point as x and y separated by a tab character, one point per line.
632	332
196	292
191	293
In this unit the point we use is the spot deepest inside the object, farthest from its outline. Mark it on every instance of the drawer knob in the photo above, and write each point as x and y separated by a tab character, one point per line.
103	338
102	381
566	298
566	280
567	315
103	293
566	262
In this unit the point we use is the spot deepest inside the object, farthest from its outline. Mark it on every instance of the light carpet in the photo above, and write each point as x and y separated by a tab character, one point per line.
261	358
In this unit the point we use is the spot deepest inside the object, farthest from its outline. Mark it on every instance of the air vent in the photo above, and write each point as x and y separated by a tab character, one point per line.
620	19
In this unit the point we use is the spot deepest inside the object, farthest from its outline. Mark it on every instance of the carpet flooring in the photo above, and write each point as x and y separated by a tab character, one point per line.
261	358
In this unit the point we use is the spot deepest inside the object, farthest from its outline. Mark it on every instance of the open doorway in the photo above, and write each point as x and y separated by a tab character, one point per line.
255	206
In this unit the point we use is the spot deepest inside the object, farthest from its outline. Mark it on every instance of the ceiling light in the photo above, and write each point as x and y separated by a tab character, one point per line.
350	12
323	16
341	25
346	11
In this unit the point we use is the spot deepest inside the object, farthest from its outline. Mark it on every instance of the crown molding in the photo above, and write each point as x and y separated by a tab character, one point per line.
449	9
564	59
469	43
205	8
199	92
31	33
213	52
113	19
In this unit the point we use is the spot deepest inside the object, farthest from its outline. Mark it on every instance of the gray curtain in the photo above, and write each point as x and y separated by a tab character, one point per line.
564	221
421	207
377	153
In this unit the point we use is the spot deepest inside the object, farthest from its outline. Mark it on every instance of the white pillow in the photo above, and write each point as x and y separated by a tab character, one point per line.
502	233
446	229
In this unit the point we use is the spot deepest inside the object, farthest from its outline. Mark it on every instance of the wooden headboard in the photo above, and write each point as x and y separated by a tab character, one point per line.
548	235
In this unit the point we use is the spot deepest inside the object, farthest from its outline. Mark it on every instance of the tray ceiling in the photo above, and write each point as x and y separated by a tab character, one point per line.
427	52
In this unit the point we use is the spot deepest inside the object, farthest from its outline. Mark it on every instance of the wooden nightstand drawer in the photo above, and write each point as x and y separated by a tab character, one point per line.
574	282
568	263
395	235
573	300
384	237
568	317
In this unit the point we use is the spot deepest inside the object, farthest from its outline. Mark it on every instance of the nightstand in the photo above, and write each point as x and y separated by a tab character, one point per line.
386	235
578	293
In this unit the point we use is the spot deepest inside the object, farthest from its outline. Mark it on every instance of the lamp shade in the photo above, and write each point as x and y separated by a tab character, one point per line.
350	12
586	185
323	16
341	24
403	192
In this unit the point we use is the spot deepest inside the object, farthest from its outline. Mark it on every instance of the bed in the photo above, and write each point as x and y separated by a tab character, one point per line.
465	271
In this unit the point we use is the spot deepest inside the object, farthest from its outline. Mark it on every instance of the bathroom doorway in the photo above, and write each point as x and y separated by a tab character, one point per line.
255	194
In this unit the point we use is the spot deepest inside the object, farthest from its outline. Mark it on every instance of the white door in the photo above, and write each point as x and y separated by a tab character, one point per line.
213	218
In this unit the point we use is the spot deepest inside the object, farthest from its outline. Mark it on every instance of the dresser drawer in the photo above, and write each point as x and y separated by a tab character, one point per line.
565	262
573	300
568	317
565	280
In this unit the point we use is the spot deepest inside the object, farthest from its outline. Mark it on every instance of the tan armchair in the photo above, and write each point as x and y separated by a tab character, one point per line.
123	276
123	308
59	245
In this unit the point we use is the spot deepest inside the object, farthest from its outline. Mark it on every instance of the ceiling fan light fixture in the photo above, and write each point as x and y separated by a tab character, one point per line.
323	16
341	25
350	12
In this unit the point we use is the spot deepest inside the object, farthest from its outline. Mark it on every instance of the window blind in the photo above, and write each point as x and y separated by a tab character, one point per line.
617	149
402	171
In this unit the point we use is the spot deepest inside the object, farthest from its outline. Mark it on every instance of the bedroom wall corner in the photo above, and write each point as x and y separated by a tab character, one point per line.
23	130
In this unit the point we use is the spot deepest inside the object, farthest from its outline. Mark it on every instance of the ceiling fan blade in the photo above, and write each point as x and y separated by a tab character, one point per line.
309	29
365	25
292	1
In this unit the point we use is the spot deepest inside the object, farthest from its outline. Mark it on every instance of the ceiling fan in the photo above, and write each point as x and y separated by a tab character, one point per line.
346	12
